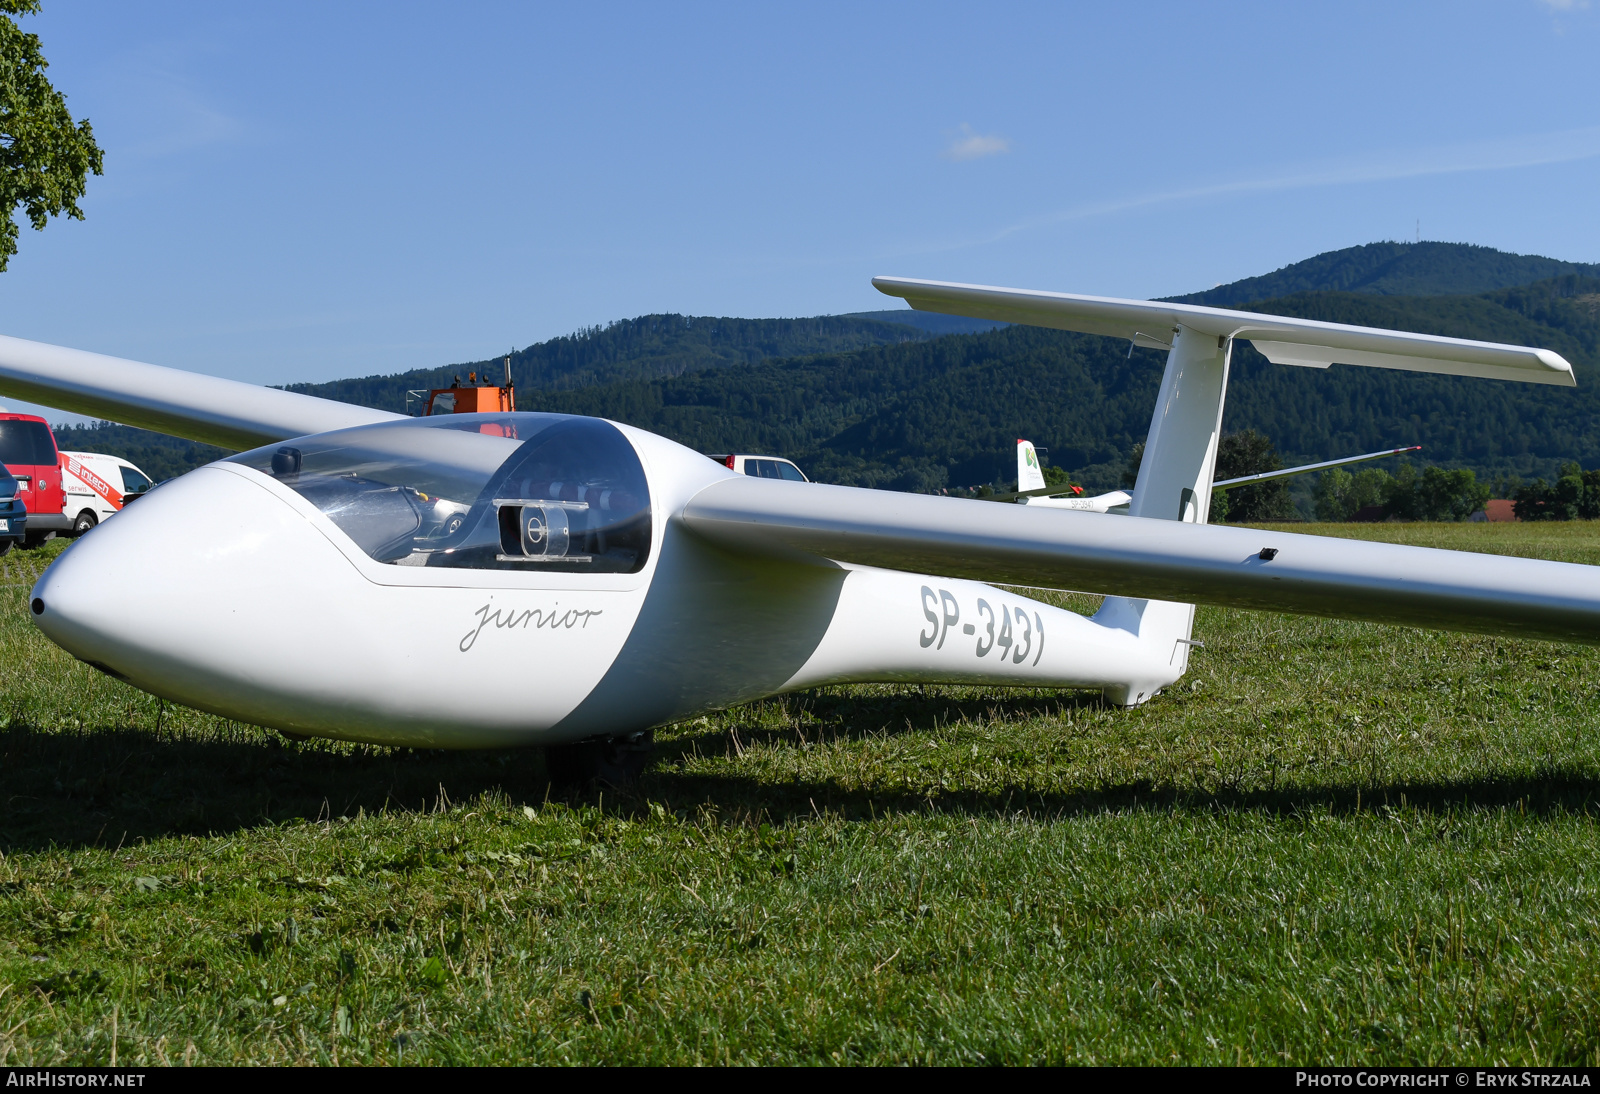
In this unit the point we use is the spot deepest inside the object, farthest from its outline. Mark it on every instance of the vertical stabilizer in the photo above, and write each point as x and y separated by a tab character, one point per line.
1030	476
1180	451
1180	455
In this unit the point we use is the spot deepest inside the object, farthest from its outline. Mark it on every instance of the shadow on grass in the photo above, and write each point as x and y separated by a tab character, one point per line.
1556	791
104	787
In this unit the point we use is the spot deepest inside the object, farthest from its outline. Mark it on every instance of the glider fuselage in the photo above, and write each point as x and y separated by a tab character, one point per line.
276	612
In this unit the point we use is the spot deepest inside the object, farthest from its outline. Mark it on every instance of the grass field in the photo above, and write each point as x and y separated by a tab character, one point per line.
1332	842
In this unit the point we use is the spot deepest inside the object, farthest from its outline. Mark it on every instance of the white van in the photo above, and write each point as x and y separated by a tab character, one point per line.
97	487
762	467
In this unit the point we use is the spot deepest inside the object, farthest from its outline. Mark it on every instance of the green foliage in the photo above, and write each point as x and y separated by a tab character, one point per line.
934	323
159	456
1130	470
1575	495
1433	494
1339	494
1055	476
45	157
649	347
1331	843
1250	452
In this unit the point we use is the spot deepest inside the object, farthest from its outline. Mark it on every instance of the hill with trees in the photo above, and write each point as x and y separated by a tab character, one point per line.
934	323
862	401
1395	269
649	347
924	416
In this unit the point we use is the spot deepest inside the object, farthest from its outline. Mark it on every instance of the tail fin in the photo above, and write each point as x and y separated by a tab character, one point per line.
1030	476
1175	477
1180	450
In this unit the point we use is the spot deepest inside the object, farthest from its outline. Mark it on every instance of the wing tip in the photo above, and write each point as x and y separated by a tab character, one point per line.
1556	363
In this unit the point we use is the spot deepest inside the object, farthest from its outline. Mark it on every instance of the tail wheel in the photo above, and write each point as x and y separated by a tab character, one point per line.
85	522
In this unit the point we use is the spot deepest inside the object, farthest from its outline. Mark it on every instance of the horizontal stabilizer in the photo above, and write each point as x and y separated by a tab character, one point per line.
1155	559
210	409
1284	340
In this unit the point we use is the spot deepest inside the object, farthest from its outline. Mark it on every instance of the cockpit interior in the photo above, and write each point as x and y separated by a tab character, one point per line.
522	491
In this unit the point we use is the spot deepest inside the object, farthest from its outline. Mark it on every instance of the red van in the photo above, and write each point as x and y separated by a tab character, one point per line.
28	449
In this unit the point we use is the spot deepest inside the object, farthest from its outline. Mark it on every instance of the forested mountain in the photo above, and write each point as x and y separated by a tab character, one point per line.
1394	269
888	404
947	412
932	322
645	348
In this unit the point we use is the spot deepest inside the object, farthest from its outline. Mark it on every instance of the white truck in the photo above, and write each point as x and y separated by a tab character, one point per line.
97	487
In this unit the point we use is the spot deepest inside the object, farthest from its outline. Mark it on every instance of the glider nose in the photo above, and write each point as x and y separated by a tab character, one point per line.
102	599
186	593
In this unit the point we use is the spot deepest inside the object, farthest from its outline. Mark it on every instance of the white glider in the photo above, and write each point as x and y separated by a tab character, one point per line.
1033	490
487	580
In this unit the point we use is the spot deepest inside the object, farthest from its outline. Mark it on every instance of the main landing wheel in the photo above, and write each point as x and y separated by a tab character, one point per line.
611	761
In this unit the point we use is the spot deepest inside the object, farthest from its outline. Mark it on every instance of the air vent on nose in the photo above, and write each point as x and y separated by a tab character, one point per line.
37	606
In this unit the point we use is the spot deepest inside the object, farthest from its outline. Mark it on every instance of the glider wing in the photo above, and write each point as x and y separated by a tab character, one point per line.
1158	559
182	404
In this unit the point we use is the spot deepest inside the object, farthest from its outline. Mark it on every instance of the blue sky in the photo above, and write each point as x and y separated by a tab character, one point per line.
307	191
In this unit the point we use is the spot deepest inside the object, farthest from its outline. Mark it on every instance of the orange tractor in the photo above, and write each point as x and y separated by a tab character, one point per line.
476	396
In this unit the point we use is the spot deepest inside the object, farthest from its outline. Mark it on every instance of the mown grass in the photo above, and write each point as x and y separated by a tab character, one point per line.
1331	843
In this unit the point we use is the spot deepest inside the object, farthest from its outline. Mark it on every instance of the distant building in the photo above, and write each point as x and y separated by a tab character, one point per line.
1497	509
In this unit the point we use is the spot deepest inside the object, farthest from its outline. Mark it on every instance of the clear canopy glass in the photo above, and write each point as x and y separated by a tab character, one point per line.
542	492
